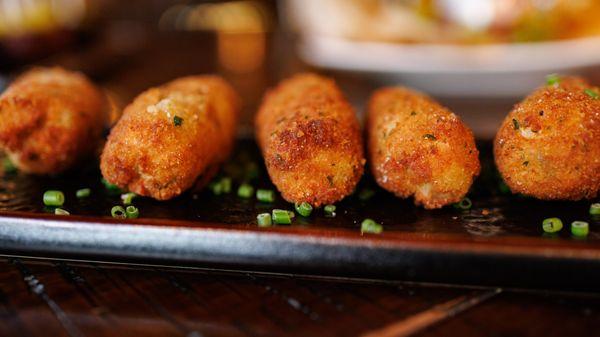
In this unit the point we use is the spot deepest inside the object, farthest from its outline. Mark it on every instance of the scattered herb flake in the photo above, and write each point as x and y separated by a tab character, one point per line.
429	136
515	124
177	121
553	79
592	93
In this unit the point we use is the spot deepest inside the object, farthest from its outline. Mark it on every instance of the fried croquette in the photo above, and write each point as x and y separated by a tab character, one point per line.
418	147
548	146
310	140
50	119
171	135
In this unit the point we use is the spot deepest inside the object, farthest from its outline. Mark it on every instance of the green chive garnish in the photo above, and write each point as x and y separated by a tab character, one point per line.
128	198
8	165
54	198
264	220
304	208
329	210
429	136
216	187
595	208
177	120
552	79
552	225
580	228
132	212
504	189
265	196
515	124
366	194
118	212
83	193
226	184
252	171
464	204
60	211
592	93
281	217
112	188
370	226
245	191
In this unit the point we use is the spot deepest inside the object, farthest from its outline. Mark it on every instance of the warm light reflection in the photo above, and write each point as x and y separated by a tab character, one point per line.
446	21
38	16
240	28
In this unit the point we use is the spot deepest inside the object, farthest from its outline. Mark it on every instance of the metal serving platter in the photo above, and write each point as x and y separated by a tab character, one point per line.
498	242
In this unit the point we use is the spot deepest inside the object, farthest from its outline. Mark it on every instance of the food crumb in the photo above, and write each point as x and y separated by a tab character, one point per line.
485	211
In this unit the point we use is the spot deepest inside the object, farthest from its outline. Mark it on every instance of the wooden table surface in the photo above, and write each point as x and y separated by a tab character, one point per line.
60	298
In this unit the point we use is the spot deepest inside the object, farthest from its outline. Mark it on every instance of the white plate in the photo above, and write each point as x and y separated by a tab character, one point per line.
451	70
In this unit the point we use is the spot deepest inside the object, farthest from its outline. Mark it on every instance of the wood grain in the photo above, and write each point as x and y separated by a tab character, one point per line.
61	298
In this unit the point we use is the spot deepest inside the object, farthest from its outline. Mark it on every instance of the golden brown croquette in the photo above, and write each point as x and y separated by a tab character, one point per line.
170	135
50	118
310	140
548	146
419	148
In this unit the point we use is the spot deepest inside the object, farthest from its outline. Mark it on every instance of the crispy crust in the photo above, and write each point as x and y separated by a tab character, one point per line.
310	139
50	118
148	154
555	151
419	148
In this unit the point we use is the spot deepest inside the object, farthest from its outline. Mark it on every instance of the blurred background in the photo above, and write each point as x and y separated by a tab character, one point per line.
478	57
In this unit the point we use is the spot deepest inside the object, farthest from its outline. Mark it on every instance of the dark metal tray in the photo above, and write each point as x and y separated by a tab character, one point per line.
498	242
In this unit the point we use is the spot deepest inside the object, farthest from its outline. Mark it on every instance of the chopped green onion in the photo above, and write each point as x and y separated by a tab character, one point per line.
292	214
595	208
370	226
216	187
177	120
8	165
54	198
118	212
265	195
580	228
112	188
515	124
552	225
264	220
552	79
252	171
329	210
464	204
245	191
60	211
128	198
226	184
281	217
83	193
366	194
132	212
304	208
592	93
504	189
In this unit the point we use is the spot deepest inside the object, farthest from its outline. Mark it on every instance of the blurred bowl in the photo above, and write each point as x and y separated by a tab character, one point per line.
497	70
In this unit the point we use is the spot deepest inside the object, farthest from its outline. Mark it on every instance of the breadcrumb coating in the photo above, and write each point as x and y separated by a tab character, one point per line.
419	148
310	140
171	135
548	146
51	118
